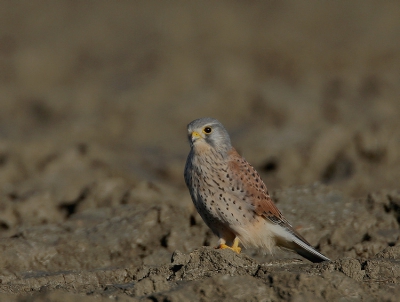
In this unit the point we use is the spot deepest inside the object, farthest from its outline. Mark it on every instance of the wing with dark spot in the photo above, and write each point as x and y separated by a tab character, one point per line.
253	190
256	192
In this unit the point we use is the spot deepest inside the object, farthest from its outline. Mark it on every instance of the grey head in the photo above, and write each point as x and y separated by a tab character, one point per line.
209	131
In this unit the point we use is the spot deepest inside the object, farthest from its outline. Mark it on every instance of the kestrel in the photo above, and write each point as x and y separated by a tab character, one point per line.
232	199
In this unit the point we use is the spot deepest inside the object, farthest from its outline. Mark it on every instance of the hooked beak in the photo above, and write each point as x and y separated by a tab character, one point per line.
195	136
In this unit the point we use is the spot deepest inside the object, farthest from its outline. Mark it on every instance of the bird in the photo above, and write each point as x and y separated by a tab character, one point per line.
231	197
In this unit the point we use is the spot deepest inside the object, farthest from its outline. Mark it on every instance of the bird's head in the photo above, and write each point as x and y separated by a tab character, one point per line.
207	132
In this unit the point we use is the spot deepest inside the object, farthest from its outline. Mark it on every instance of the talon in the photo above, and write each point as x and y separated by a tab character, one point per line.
223	246
234	247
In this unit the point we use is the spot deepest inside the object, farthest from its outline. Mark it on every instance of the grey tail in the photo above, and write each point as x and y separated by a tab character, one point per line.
295	242
300	245
304	249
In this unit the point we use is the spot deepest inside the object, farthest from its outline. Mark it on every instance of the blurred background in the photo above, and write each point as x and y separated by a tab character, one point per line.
309	90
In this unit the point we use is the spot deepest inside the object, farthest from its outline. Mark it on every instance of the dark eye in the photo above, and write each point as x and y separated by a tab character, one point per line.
207	130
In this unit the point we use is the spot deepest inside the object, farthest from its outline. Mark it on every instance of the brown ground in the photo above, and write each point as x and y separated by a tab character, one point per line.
95	97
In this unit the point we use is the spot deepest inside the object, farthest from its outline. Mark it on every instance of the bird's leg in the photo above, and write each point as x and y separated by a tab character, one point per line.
235	246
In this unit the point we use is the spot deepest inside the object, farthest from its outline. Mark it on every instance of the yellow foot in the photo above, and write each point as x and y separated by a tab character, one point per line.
233	248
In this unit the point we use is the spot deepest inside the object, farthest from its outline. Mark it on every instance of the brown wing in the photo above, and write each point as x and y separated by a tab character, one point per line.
252	189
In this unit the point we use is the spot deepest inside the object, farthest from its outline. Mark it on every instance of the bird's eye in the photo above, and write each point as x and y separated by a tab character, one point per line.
207	130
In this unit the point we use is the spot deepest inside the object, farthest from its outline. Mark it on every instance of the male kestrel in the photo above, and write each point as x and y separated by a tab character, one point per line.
232	199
